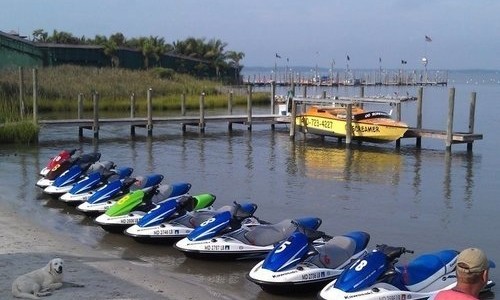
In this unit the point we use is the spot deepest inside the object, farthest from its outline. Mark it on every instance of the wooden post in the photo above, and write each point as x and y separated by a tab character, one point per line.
362	95
273	97
150	112
293	115
348	126
21	92
324	95
230	103
202	113
80	106
95	103
183	104
449	128
304	91
472	112
132	105
420	95
398	118
35	96
132	113
249	107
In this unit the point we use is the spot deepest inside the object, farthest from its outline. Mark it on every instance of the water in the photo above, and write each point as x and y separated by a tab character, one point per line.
424	199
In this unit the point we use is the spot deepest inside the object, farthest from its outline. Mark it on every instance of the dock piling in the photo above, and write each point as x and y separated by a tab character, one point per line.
273	97
449	127
249	107
348	125
21	92
132	113
35	96
95	126
149	126
183	104
230	103
201	124
420	95
472	112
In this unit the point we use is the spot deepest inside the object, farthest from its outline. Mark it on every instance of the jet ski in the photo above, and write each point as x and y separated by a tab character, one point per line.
154	229
83	189
68	179
65	165
375	275
133	206
300	265
58	159
219	239
106	196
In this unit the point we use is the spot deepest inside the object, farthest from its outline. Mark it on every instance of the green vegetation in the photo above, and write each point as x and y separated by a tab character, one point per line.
19	132
59	87
152	48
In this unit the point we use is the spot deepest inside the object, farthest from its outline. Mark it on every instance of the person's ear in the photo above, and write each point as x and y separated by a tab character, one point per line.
485	276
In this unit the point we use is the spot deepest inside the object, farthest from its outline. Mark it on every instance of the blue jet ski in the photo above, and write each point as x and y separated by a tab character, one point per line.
221	238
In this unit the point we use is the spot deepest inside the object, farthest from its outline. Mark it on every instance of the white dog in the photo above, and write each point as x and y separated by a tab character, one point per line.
40	282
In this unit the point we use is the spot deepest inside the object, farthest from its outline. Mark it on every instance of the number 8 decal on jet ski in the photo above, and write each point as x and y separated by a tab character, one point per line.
361	265
207	222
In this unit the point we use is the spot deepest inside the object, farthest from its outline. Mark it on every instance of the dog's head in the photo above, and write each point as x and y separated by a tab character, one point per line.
55	265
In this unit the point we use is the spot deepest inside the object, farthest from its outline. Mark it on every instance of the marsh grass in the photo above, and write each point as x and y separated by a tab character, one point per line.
59	87
25	132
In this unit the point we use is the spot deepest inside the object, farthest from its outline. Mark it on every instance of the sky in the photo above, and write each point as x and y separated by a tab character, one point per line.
465	34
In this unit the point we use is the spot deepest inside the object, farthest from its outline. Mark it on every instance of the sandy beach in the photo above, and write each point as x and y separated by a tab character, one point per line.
26	247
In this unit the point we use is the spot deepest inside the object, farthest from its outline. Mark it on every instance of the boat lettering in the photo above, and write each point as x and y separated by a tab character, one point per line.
358	295
321	123
129	221
165	231
363	128
217	247
313	276
393	297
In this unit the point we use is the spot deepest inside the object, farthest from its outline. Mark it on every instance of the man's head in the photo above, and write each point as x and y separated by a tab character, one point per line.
472	265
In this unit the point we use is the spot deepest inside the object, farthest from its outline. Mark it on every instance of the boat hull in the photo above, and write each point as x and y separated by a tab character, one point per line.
302	279
221	249
368	130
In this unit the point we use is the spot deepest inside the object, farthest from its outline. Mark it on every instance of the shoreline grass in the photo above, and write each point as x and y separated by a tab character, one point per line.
59	87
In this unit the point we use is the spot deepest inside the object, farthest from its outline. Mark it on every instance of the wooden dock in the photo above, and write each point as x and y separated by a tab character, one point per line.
200	121
449	136
183	121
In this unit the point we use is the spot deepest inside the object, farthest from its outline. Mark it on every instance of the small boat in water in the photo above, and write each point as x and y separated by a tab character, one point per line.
369	126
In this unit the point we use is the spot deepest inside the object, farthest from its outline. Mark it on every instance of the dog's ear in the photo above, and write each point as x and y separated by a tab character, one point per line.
48	267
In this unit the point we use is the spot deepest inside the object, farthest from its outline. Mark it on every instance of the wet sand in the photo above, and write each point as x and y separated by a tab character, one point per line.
26	247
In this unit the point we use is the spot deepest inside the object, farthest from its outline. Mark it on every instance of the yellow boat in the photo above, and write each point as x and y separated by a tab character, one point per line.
370	126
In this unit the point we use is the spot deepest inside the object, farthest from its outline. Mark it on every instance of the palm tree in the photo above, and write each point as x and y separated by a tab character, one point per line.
40	35
111	49
215	54
234	62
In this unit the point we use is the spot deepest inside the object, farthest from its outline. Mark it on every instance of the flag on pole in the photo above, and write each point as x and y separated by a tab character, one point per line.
428	38
277	55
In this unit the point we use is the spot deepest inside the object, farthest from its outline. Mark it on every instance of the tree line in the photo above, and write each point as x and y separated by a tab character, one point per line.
152	47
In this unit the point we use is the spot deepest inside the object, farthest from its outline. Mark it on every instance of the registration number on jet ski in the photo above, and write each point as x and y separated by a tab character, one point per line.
313	276
129	221
217	247
165	231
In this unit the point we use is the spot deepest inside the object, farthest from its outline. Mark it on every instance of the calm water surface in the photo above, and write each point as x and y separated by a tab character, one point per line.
424	199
